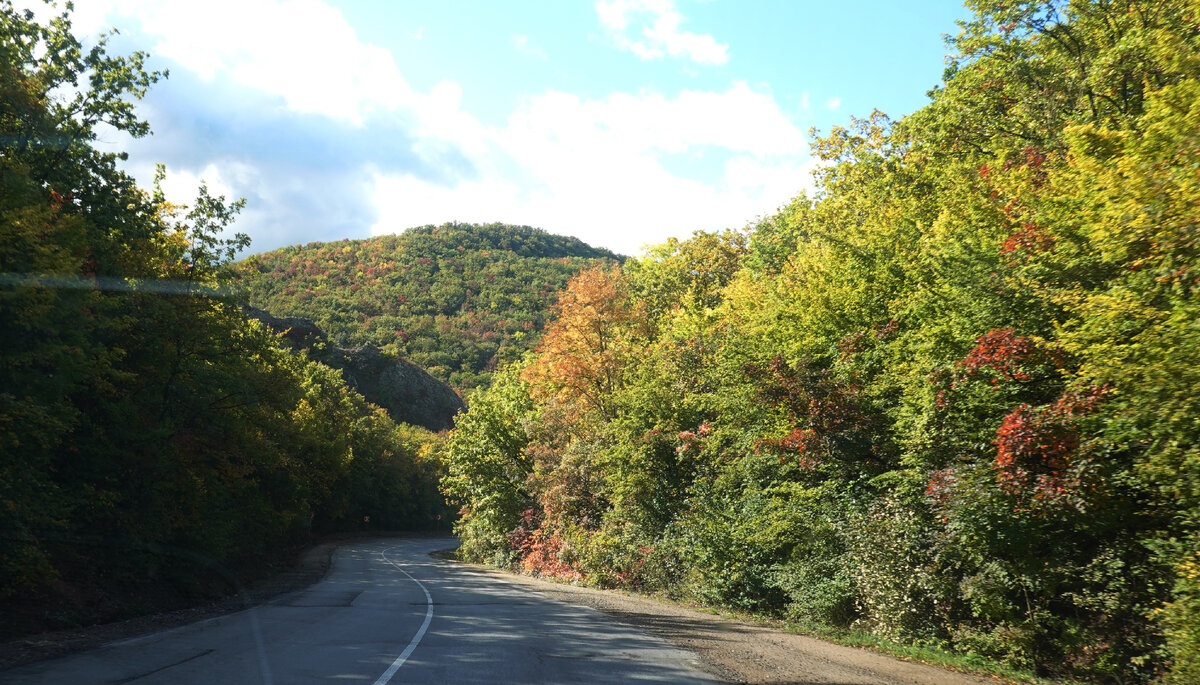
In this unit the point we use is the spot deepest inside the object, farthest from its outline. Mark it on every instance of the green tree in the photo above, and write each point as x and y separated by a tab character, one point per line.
487	468
150	435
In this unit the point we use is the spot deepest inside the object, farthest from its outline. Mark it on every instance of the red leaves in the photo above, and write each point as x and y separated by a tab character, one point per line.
941	483
1030	439
852	344
859	341
886	330
801	442
1006	356
1033	158
1027	171
541	554
687	439
827	417
1036	446
1003	364
814	396
693	439
1029	240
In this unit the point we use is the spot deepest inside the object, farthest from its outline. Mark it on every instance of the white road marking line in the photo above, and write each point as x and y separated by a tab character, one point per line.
387	675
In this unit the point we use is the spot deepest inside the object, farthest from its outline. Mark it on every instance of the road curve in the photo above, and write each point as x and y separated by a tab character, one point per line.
387	613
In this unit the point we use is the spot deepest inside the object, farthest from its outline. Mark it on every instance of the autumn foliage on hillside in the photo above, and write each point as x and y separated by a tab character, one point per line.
950	399
457	300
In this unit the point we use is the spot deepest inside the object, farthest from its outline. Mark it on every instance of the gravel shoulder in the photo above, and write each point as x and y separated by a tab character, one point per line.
742	652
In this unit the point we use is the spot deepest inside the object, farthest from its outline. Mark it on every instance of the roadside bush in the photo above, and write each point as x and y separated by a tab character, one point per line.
1180	619
900	592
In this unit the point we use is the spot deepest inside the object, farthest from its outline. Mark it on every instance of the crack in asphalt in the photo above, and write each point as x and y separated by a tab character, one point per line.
160	669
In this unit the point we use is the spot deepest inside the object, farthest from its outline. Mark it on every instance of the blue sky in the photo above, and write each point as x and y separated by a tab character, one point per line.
622	122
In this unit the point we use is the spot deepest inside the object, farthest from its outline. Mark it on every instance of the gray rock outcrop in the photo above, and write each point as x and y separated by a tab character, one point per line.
406	391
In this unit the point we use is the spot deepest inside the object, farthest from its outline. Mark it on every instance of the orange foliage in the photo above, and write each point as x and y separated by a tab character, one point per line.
586	348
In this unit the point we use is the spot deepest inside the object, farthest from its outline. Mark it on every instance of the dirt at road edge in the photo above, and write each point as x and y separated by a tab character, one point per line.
742	652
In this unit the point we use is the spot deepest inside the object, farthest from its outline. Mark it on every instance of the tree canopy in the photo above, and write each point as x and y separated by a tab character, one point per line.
948	399
155	445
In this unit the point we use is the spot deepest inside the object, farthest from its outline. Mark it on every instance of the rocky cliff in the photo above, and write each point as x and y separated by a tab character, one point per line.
402	388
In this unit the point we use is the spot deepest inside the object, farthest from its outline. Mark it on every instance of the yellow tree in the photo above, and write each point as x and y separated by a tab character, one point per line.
585	350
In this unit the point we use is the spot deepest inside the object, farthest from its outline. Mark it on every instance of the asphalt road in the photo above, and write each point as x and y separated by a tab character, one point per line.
387	613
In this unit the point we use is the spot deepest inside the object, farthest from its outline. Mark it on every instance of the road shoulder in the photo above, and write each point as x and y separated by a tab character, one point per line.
310	567
739	651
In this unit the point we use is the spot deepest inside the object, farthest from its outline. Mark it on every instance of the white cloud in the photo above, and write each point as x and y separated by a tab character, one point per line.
771	183
323	134
181	186
440	116
303	51
660	34
833	103
739	120
407	201
594	169
527	47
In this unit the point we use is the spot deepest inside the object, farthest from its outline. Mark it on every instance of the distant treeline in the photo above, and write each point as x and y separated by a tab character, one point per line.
458	300
952	398
154	444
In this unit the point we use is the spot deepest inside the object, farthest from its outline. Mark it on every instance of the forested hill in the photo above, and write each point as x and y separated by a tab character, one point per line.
456	299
